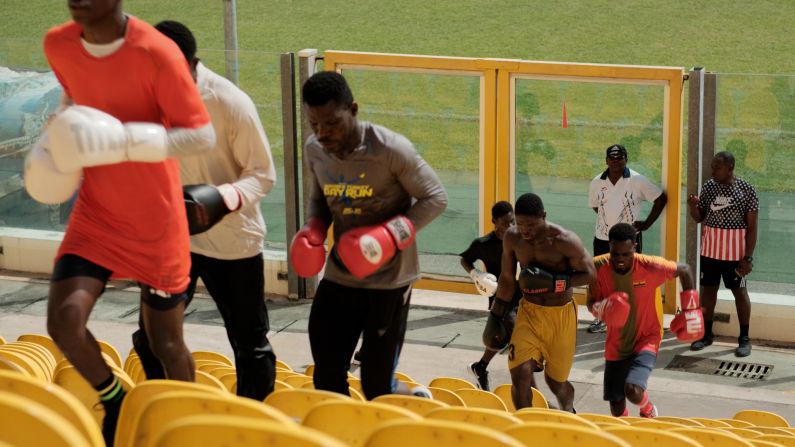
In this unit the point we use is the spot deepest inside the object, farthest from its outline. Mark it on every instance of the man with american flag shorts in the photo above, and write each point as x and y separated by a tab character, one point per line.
728	209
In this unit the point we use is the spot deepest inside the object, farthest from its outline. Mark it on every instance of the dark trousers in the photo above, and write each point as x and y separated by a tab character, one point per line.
338	317
601	247
238	289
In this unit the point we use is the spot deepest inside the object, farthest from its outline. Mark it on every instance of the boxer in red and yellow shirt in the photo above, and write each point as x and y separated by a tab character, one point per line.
625	296
131	107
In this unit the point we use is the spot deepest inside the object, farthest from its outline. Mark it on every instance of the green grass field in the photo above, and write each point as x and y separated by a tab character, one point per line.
756	107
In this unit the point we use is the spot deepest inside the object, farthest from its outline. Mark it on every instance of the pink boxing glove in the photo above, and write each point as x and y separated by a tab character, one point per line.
307	253
364	250
613	310
688	325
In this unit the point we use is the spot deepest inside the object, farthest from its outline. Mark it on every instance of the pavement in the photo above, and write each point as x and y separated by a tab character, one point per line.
443	337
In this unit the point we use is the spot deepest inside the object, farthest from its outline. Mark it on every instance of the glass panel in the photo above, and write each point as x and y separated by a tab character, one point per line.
440	114
29	93
756	122
558	153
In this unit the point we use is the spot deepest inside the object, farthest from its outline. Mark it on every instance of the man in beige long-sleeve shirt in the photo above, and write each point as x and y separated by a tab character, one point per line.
228	257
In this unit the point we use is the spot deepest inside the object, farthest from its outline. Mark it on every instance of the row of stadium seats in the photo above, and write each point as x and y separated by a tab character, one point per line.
44	401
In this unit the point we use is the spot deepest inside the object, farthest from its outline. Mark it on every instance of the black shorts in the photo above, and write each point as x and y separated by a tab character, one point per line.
635	370
712	270
70	266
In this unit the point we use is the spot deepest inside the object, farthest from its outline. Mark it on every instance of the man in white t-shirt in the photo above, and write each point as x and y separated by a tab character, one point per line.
616	195
228	256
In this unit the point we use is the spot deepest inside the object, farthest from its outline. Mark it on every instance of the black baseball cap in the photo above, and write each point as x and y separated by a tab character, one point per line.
616	151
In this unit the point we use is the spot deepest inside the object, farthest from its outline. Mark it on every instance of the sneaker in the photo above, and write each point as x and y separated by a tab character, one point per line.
651	414
744	348
701	344
421	391
597	326
478	369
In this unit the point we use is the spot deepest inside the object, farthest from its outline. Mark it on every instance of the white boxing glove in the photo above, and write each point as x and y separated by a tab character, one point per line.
43	182
486	283
82	136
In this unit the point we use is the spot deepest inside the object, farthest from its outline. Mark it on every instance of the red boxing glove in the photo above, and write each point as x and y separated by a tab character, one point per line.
613	310
688	325
307	253
364	250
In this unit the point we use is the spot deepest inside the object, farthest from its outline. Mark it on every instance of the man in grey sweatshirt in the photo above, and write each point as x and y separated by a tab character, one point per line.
378	192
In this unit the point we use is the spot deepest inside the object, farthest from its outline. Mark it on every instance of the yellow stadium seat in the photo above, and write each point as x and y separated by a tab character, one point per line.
352	422
232	431
24	422
112	352
481	417
758	443
451	383
355	395
297	380
41	350
437	433
772	430
504	392
297	402
745	433
712	438
556	416
44	341
281	364
602	419
170	406
687	422
209	365
279	385
762	418
654	423
218	371
206	379
309	370
446	396
129	361
24	361
283	374
140	396
648	437
229	381
6	365
481	399
712	423
71	380
56	399
210	355
418	405
785	441
736	423
2	340
563	435
403	377
632	419
136	372
42	367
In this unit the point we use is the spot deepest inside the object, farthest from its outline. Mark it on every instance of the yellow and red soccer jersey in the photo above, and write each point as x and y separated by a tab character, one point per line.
130	217
643	329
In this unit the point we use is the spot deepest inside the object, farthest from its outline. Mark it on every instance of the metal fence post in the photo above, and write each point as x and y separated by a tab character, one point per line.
292	201
306	68
230	40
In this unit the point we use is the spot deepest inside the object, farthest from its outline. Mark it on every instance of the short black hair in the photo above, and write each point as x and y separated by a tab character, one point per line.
529	204
500	209
181	35
727	157
325	86
623	232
